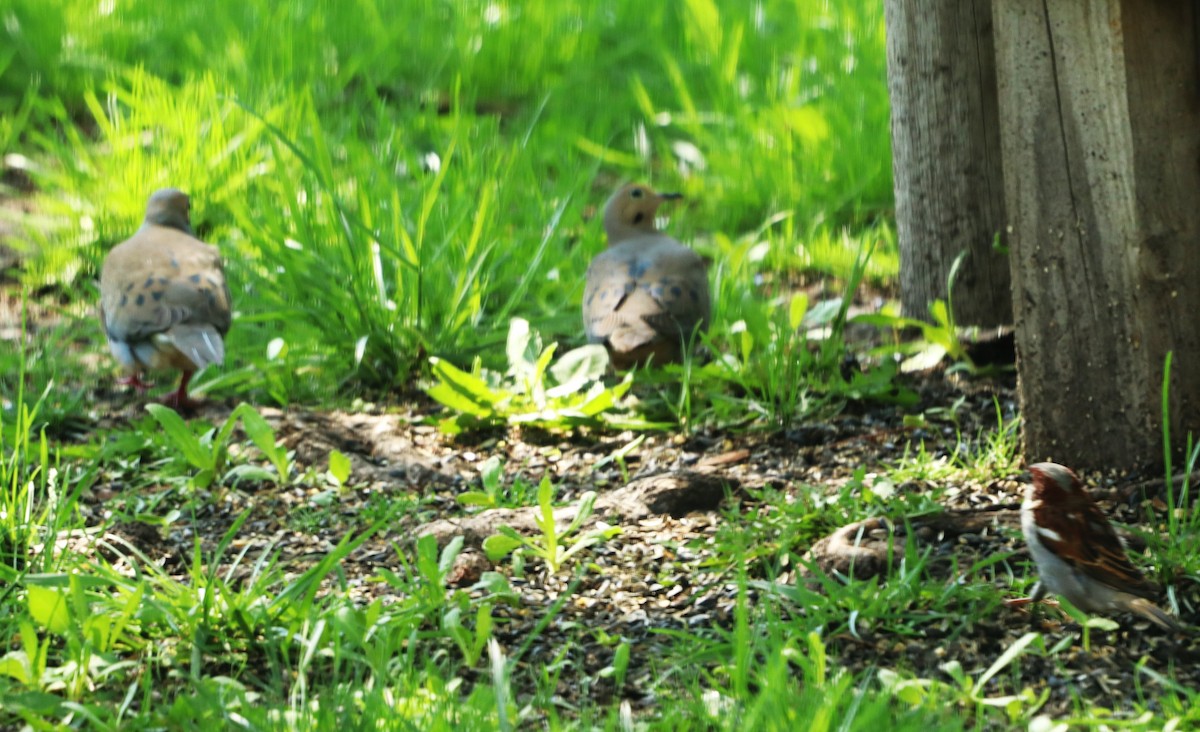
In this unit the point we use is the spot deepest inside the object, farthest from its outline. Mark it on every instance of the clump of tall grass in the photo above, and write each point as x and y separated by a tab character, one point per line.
383	194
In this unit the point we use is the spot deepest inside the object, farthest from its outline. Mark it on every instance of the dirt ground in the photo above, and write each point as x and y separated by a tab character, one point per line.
657	574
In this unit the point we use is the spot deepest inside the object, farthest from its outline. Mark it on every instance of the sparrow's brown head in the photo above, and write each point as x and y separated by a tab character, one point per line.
1056	485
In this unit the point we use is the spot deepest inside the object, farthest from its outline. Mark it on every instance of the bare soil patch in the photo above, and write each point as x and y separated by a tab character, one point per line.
664	572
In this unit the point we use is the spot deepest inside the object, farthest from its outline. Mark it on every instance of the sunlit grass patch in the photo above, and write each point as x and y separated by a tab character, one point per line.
378	205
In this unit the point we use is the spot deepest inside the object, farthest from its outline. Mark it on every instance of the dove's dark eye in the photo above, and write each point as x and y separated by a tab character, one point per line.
636	193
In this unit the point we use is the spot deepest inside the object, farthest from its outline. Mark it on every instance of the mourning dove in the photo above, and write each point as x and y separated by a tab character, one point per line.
164	302
647	294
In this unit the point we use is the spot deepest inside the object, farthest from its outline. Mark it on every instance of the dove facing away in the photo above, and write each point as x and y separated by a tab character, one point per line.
646	294
164	302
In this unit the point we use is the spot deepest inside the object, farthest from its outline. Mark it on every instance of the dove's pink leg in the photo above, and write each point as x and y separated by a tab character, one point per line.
135	381
178	399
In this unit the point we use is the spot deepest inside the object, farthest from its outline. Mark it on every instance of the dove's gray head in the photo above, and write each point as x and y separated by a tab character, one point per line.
169	207
631	210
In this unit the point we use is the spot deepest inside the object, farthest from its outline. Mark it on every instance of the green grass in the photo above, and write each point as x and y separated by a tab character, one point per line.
233	636
394	182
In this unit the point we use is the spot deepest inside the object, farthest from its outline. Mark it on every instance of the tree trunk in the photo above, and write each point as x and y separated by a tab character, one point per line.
946	155
1100	131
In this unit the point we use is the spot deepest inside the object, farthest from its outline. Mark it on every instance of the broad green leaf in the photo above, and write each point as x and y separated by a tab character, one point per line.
261	434
449	553
475	498
620	662
39	704
577	368
483	631
339	466
48	608
940	313
516	347
498	546
181	436
797	307
926	358
36	652
823	313
15	665
427	559
452	620
497	585
256	473
598	400
458	400
221	439
491	471
619	390
461	391
204	478
483	622
451	425
882	320
545	499
100	630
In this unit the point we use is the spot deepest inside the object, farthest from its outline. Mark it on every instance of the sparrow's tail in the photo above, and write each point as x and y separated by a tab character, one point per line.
1154	614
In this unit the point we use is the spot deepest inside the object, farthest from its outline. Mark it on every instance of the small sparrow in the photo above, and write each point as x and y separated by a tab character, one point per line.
1078	554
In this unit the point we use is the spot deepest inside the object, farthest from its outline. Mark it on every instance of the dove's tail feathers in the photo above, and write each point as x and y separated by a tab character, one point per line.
199	343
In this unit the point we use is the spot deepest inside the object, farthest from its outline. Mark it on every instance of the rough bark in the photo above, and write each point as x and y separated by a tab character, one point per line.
1100	130
946	157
